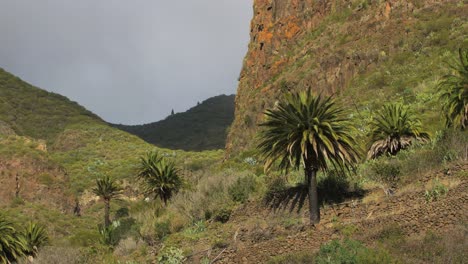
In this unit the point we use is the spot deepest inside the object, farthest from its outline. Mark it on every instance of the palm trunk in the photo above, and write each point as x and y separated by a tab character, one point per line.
106	213
314	209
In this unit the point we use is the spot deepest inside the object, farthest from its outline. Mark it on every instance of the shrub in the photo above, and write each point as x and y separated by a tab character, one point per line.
242	188
437	191
126	227
275	186
162	229
220	243
85	238
35	236
223	215
446	247
387	172
107	235
171	255
350	251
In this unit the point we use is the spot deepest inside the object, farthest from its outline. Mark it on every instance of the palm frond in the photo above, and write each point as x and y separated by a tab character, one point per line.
304	128
453	89
159	176
107	188
35	237
393	129
12	245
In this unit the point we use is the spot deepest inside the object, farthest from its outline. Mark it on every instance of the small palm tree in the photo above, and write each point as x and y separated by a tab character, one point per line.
394	129
107	189
35	237
307	131
454	93
160	177
12	246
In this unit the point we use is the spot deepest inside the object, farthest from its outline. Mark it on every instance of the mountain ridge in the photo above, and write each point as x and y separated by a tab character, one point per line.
202	127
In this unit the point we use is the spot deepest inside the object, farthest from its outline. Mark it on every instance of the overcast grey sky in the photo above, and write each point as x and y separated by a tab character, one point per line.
129	61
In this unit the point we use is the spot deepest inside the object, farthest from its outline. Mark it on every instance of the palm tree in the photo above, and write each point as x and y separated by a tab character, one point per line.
454	93
394	129
160	177
12	246
107	189
35	237
308	131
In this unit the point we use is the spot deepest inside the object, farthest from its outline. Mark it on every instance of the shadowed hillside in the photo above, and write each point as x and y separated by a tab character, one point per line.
202	127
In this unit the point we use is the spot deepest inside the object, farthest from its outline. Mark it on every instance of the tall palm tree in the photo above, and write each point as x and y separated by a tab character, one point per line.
35	237
107	189
308	131
12	246
454	92
394	129
160	177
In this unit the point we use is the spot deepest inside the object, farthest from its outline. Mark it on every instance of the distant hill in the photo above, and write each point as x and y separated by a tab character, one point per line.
202	127
36	113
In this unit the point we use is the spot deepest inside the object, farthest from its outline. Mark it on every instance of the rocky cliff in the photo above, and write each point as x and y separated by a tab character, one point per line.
345	47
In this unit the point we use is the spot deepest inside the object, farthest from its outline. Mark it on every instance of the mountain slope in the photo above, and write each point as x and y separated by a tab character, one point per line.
36	113
367	52
202	127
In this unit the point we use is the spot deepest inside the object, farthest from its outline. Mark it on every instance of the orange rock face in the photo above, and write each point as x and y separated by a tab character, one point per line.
317	44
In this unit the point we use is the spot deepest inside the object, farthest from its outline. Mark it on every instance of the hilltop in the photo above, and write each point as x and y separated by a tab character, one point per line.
36	113
202	127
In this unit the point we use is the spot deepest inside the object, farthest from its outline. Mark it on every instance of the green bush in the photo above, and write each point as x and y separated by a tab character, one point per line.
387	171
350	251
85	238
275	186
162	229
223	215
171	256
242	188
437	191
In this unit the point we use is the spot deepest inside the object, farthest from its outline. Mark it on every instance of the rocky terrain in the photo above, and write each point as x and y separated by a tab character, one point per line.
353	48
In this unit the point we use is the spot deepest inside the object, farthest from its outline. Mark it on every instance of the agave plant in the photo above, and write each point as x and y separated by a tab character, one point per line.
107	189
160	177
12	245
35	237
394	129
308	131
454	92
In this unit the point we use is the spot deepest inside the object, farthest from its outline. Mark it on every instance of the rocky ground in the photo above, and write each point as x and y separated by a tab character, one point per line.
255	239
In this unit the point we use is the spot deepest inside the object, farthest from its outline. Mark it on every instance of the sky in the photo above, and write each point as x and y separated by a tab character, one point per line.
129	61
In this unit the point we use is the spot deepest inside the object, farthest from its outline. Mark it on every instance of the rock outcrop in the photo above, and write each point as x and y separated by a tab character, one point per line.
324	45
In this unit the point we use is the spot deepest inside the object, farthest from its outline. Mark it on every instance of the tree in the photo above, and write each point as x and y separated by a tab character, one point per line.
394	129
160	177
35	237
107	189
12	245
454	92
309	131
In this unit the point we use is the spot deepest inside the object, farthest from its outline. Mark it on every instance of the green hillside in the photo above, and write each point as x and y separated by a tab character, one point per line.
58	149
202	127
36	113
